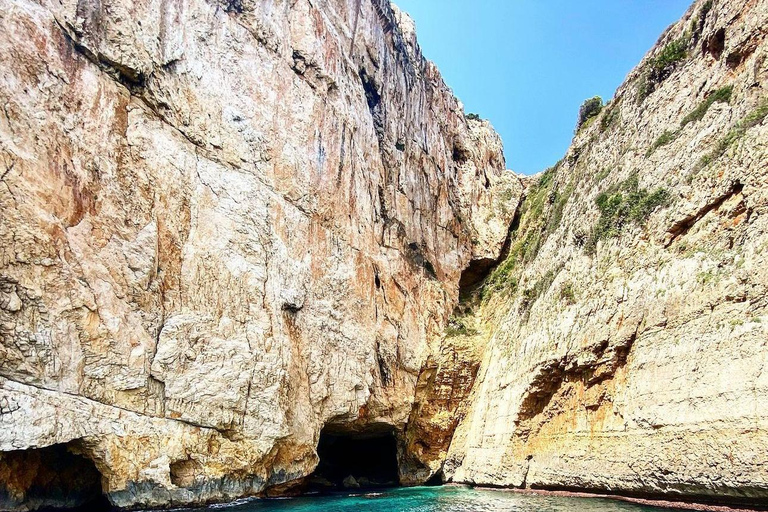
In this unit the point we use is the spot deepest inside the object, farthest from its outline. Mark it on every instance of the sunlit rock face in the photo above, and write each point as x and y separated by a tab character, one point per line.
624	340
226	225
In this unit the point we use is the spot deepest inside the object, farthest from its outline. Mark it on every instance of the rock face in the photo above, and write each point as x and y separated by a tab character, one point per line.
624	339
225	225
230	225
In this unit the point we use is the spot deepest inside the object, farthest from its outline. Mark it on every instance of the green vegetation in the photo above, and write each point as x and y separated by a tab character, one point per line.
671	54
600	176
645	87
735	134
547	177
524	250
755	117
588	111
567	294
456	327
531	295
557	200
540	215
661	66
722	95
664	139
501	278
697	22
706	277
473	116
621	205
611	115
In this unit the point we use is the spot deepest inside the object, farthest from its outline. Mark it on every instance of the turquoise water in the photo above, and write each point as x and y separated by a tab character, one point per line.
435	499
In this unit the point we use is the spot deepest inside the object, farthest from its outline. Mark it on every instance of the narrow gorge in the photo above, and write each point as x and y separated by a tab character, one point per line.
244	239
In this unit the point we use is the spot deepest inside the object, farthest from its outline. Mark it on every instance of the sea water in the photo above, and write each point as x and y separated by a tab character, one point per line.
433	499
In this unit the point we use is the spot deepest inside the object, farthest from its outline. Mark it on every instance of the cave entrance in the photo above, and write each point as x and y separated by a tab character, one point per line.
56	477
351	460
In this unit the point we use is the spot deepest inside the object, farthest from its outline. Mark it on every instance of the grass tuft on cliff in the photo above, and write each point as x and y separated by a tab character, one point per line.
664	139
751	120
722	95
610	117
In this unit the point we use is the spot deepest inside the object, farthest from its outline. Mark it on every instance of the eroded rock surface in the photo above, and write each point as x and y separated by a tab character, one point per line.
625	337
228	226
224	226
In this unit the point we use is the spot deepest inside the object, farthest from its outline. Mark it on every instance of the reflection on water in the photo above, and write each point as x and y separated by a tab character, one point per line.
434	499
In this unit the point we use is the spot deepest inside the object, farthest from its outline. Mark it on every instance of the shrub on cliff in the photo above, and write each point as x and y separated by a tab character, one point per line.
671	54
621	205
610	117
661	66
589	110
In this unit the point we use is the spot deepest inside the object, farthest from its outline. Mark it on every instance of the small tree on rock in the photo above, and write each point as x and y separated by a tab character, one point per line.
589	109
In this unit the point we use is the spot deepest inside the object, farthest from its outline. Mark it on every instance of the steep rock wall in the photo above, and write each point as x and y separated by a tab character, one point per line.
225	225
625	337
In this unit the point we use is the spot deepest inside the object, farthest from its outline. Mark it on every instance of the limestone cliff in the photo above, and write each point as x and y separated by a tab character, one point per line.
226	224
624	339
229	225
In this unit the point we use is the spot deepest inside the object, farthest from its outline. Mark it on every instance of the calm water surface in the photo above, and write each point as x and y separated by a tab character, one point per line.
434	499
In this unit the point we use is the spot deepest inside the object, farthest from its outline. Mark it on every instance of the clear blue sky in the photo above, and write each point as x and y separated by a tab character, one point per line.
527	65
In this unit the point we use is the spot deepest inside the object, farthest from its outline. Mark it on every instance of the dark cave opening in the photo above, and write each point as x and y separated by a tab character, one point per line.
351	460
56	477
436	480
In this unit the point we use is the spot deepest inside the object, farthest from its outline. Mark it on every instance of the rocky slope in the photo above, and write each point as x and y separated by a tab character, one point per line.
226	224
624	339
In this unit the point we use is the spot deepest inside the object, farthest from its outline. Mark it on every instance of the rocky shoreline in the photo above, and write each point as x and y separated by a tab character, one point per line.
681	504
